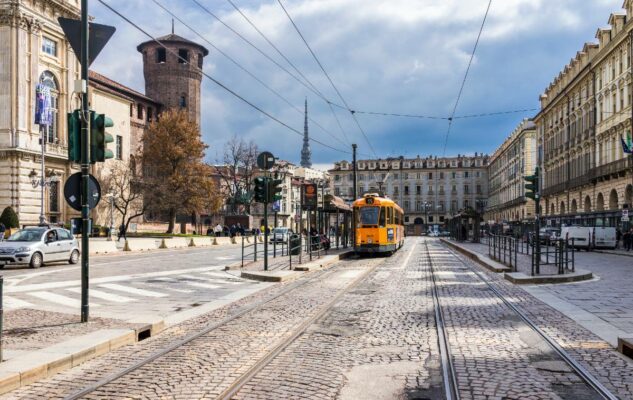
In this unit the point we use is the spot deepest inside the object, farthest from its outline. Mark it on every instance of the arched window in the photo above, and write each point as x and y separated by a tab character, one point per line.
48	79
183	101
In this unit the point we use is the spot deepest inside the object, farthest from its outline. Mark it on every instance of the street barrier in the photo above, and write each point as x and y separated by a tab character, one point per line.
102	247
174	243
140	244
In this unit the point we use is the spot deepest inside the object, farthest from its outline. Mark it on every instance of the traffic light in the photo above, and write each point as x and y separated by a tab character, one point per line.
274	190
532	187
99	138
261	189
74	137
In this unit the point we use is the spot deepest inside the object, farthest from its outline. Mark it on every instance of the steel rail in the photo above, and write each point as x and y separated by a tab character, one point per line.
189	338
581	371
262	363
448	368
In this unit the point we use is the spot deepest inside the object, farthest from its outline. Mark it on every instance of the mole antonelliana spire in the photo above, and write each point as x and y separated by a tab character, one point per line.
306	153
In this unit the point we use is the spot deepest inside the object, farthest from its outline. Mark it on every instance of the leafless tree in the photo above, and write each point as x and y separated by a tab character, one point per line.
237	171
125	184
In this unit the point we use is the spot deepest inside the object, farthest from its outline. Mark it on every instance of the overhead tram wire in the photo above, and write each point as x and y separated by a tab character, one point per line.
220	84
461	89
252	24
260	51
386	114
352	112
252	75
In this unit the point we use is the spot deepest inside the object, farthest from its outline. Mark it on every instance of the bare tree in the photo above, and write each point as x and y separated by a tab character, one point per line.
237	172
126	185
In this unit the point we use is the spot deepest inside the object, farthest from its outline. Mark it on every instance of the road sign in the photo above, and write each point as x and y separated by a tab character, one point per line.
625	215
265	160
72	191
97	39
276	206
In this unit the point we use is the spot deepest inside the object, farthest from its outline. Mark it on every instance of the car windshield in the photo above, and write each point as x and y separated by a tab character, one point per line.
27	235
280	230
369	215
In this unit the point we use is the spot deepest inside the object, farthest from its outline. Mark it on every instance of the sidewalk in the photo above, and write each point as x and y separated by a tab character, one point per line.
603	305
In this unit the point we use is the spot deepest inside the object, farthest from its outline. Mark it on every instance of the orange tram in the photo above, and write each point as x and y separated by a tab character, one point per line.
378	225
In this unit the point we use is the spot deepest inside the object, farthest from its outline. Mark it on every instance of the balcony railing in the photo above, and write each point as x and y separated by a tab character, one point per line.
612	168
603	171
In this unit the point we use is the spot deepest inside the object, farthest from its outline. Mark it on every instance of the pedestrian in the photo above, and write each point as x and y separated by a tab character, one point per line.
626	239
122	233
618	237
3	229
630	241
232	230
217	230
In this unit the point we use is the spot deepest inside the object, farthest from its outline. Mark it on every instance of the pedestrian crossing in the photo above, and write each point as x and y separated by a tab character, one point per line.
118	292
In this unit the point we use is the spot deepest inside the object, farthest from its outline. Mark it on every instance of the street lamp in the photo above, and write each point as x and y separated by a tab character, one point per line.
48	178
111	197
427	205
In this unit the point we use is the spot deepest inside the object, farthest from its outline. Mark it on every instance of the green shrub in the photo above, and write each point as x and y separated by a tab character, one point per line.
9	218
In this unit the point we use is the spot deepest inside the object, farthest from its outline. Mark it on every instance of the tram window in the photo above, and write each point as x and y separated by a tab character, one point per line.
383	215
369	215
390	216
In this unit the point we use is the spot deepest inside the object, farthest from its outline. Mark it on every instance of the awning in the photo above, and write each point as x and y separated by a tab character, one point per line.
335	203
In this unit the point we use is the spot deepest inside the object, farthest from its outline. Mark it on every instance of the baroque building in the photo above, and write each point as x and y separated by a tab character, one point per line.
513	160
429	189
584	113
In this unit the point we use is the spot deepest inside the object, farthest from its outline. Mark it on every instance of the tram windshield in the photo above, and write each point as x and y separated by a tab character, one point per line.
369	215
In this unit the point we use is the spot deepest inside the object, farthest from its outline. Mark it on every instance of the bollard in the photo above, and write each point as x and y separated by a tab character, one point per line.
255	252
516	250
242	251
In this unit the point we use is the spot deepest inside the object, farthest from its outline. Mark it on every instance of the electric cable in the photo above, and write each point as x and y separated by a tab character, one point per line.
220	84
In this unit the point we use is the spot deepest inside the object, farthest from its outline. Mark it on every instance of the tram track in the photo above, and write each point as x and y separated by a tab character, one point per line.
264	360
451	388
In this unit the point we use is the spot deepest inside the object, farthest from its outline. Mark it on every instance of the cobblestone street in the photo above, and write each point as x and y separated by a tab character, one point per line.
366	328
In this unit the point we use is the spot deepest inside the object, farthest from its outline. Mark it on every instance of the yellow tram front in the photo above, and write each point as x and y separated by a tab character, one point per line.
378	224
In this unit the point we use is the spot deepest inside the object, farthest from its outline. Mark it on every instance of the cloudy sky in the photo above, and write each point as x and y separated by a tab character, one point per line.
396	56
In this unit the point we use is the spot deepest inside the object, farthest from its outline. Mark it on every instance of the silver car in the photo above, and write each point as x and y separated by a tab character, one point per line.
35	246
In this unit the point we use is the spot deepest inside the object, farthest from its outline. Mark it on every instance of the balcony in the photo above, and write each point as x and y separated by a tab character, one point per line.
615	168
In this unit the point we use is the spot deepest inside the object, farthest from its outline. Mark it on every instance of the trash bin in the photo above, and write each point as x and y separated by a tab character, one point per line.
295	245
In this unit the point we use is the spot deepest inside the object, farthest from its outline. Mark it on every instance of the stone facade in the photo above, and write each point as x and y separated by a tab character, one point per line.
173	73
446	185
514	159
584	113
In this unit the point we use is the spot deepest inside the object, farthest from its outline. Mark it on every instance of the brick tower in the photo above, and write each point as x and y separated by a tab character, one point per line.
173	74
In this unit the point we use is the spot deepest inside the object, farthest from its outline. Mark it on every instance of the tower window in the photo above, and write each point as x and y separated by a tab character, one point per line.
161	56
150	114
200	60
183	102
139	113
183	56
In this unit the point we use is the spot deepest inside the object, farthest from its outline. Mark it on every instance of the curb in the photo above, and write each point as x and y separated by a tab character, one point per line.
271	276
485	262
519	278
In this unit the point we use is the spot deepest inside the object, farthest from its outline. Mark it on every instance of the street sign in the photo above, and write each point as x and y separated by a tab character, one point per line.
625	215
72	191
97	39
265	160
276	206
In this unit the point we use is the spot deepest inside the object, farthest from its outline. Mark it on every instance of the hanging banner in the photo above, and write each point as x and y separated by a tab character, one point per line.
43	107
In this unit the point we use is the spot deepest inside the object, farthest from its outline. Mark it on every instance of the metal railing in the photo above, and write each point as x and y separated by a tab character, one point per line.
558	252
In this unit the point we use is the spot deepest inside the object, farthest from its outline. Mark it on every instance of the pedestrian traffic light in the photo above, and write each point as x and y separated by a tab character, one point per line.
274	190
99	138
74	137
532	187
261	189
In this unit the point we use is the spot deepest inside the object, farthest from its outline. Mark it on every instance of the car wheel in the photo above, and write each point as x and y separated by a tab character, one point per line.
74	257
36	260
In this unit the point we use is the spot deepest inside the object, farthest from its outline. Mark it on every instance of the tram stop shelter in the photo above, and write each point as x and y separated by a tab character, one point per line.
466	226
335	220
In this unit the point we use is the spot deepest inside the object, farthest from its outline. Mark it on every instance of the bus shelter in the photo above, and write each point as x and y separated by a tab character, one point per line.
466	226
335	220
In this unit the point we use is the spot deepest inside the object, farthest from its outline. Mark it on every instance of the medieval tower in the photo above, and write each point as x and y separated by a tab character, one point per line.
173	73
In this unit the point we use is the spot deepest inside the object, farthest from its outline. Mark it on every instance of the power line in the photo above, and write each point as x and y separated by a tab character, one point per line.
220	84
259	50
461	89
289	62
352	112
252	75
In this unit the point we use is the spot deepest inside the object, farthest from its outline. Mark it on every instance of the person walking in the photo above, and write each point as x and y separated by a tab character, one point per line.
3	229
626	239
122	233
618	237
218	230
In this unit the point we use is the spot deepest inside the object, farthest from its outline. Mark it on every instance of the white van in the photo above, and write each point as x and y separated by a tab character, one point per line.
589	237
582	235
604	238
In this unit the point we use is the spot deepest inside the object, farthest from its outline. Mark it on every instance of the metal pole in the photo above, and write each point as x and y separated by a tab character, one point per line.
355	194
1	312
275	239
243	250
42	175
266	235
85	165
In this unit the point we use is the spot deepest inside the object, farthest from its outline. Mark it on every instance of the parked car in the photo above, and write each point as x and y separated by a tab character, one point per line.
280	234
590	237
36	246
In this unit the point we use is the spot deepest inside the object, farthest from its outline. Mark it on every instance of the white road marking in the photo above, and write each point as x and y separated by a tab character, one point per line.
59	299
132	290
12	303
194	278
202	285
98	281
104	295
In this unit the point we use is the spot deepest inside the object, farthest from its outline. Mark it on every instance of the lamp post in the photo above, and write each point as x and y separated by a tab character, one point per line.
426	205
111	196
43	181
